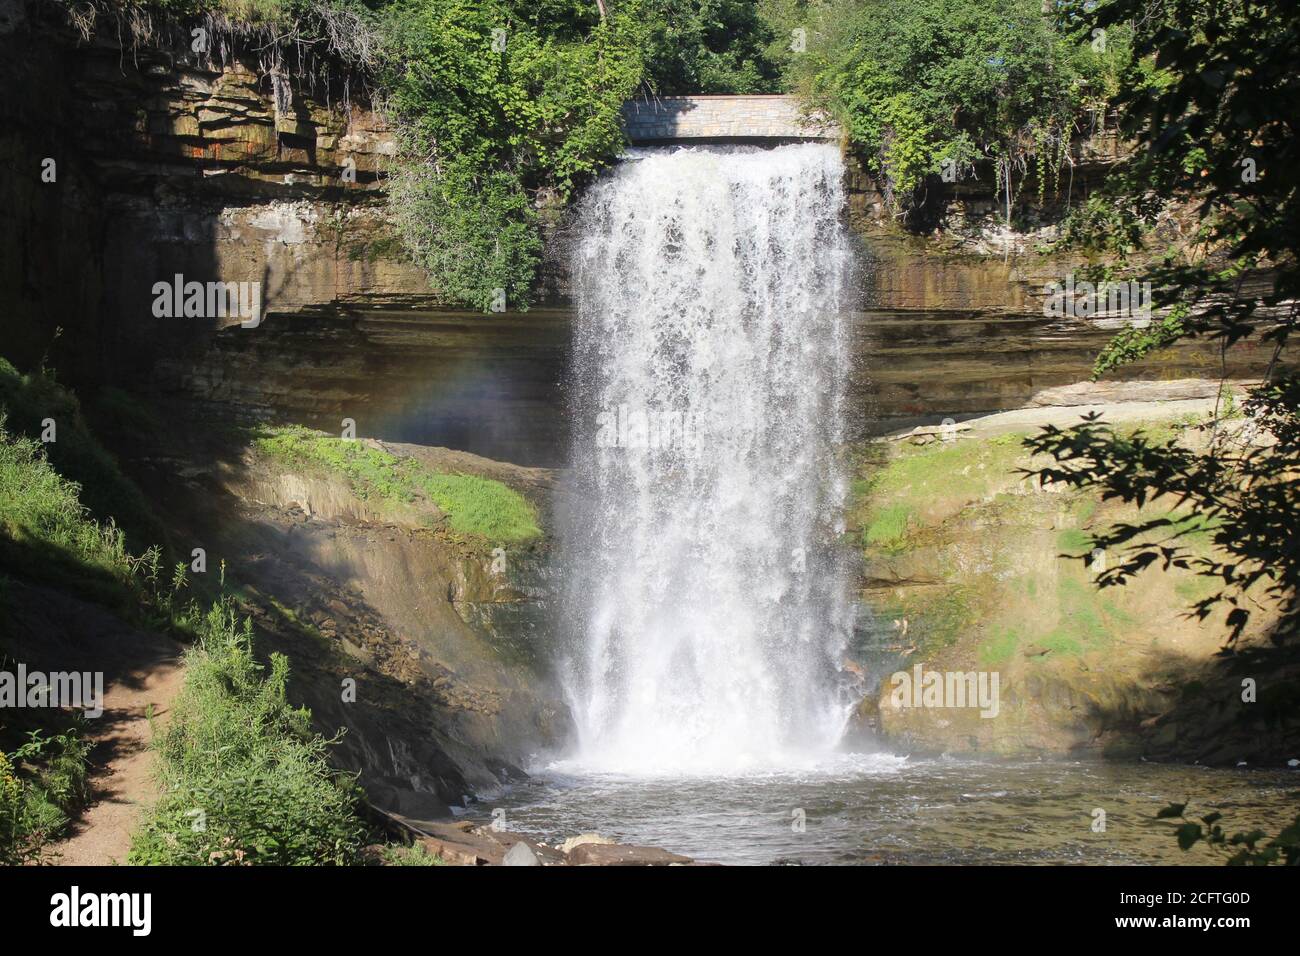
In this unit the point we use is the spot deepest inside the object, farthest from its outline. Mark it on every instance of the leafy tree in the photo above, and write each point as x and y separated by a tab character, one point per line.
1214	125
937	82
1211	99
709	46
504	106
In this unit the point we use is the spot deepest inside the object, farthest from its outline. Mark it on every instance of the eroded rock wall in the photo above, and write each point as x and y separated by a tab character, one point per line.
227	167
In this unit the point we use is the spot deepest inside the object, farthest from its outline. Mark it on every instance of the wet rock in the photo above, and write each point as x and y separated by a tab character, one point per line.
520	855
583	839
614	854
459	845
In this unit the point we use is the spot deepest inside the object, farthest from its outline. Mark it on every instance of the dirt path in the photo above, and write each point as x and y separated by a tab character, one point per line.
122	766
54	631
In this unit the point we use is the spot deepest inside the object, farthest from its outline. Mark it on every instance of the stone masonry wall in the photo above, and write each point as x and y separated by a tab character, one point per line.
723	117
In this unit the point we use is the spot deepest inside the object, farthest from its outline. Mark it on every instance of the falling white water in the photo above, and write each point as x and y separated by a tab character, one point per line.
709	380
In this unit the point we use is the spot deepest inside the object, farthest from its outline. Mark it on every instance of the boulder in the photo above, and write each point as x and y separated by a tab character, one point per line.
520	855
614	854
583	839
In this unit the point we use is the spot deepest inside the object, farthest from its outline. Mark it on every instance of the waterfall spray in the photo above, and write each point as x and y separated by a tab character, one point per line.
712	355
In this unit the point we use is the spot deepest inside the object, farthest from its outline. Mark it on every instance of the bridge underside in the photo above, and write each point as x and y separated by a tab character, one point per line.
759	120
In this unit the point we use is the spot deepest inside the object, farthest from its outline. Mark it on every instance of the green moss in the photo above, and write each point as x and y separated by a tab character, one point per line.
1192	588
999	648
1081	611
473	505
937	617
887	528
1073	541
1088	618
1085	508
964	468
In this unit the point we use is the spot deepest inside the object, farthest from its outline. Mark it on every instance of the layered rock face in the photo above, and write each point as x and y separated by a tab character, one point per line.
224	167
974	571
158	162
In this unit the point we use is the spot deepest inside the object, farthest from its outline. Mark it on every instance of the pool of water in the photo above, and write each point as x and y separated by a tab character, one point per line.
879	808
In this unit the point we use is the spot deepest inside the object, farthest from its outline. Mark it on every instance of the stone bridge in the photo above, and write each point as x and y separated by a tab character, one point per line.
668	119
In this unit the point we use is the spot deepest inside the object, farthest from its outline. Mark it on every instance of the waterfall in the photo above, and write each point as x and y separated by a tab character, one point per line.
707	608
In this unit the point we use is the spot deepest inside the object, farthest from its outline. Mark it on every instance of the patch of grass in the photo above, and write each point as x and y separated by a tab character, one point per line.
962	468
914	482
417	854
482	506
244	779
1191	588
1060	642
1088	618
1081	612
887	528
1085	508
473	505
46	533
31	403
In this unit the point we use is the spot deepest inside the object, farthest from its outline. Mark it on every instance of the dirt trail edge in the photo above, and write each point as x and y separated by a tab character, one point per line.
122	764
56	632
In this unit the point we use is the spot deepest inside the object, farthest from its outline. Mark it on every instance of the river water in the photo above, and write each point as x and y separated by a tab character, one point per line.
879	808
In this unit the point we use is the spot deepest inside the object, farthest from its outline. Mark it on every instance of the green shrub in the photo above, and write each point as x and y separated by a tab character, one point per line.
41	784
490	132
244	779
46	533
27	401
934	83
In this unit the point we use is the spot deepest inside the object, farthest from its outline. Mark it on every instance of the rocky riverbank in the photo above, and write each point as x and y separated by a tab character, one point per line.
971	566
